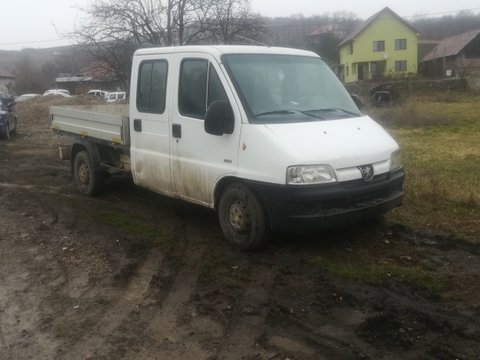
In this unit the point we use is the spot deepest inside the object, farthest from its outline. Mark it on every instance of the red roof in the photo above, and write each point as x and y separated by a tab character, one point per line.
451	45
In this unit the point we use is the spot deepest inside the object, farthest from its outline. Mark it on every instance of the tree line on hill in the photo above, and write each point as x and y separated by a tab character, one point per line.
111	30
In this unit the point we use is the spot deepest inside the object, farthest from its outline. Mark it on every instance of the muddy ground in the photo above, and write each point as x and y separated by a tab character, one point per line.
133	275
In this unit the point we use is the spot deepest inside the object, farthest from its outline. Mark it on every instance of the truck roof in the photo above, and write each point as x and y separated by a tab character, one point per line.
218	50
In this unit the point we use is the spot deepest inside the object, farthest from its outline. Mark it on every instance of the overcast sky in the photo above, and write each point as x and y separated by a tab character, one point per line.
34	23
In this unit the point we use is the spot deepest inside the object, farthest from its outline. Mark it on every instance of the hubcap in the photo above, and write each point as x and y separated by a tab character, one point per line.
239	217
84	174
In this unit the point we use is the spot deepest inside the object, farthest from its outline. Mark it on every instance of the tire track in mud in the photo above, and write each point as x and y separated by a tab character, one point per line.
133	297
302	321
43	189
19	274
169	326
249	314
329	338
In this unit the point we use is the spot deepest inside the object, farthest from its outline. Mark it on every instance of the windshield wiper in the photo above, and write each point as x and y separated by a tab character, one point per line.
273	112
289	111
352	113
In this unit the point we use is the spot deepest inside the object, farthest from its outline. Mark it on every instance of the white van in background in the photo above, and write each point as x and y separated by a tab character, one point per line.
99	93
116	96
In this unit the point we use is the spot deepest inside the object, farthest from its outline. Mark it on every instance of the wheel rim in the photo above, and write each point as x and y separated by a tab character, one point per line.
84	174
239	217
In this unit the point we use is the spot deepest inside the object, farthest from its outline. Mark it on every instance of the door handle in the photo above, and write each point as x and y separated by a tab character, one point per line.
137	125
177	131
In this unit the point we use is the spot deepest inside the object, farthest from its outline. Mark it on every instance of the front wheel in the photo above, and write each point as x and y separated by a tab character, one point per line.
86	178
243	218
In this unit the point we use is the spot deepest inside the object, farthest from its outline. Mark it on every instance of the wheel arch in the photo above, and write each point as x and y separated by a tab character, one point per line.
90	148
224	182
220	187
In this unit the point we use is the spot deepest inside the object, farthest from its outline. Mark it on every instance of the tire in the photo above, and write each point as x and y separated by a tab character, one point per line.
14	130
6	133
88	181
242	218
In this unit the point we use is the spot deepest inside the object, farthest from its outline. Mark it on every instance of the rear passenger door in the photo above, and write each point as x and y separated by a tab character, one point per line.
200	160
149	122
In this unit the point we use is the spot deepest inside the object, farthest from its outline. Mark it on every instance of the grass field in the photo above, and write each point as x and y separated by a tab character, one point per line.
440	139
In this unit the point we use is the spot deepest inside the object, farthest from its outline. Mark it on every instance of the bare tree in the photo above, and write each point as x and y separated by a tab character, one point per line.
446	25
113	30
232	22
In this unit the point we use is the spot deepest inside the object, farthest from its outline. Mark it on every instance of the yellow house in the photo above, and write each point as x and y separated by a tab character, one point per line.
384	45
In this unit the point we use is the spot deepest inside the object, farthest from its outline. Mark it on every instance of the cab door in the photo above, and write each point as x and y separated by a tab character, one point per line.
199	159
149	122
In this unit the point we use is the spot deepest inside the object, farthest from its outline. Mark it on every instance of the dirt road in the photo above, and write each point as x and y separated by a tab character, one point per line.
132	275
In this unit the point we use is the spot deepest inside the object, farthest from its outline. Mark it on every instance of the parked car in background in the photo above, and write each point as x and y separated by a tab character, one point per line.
99	93
6	98
8	121
25	97
116	96
61	92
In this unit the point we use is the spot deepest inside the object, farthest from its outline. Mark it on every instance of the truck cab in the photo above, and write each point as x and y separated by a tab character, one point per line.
258	133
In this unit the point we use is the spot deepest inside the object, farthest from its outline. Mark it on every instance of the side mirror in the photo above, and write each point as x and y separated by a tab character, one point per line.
358	101
219	119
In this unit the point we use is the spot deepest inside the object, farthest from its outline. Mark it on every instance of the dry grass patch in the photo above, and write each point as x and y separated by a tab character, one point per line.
34	112
440	144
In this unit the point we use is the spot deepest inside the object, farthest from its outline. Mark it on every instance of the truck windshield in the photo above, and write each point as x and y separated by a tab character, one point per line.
288	88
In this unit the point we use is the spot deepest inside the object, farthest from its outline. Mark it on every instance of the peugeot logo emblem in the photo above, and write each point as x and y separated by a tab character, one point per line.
367	172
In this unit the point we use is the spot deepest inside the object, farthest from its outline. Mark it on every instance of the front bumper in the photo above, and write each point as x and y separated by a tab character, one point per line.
305	208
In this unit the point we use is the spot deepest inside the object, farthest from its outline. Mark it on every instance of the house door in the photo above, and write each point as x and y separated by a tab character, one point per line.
377	69
363	71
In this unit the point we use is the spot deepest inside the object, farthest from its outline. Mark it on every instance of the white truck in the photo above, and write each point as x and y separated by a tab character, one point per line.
268	137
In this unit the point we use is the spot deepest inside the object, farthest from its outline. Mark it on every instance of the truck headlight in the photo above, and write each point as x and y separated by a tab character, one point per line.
310	174
395	161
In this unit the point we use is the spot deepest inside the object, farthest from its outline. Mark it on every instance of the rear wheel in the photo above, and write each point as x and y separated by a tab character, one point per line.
86	178
243	218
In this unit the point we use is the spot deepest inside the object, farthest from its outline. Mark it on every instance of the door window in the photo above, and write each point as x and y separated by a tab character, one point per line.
193	87
152	86
215	87
199	87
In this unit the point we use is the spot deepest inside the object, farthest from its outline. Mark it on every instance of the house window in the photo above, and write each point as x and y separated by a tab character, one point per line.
350	47
379	45
400	44
401	66
152	86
